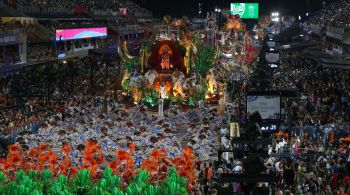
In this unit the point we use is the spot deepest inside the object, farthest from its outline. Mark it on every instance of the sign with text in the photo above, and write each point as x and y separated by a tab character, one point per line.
245	10
268	106
9	38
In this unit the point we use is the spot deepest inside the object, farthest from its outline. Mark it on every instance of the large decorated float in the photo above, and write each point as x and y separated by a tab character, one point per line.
185	67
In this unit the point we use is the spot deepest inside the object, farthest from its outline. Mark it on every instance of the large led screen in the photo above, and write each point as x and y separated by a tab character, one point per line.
245	10
272	57
269	106
80	33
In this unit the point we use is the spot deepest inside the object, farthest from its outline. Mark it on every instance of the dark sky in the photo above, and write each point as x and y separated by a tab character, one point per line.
178	8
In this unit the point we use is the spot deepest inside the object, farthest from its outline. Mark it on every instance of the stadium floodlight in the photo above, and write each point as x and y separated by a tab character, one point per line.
276	19
275	14
273	65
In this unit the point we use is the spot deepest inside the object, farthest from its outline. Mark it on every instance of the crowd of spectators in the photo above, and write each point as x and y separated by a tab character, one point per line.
9	55
66	24
39	52
131	7
324	92
14	25
295	59
313	156
99	5
42	7
65	7
74	73
335	14
306	164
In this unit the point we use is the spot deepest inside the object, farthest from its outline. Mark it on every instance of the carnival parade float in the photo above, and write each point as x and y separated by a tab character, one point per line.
182	66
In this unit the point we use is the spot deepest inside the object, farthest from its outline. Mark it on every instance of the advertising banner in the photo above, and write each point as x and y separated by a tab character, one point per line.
245	10
80	33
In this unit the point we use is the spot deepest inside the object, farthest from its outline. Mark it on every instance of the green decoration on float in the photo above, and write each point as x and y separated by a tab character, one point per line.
39	183
204	61
130	65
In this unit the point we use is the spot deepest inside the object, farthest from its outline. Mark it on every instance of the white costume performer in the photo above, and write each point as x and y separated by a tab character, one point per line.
161	107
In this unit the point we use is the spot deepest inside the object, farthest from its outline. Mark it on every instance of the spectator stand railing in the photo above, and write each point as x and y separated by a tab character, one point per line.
325	129
335	32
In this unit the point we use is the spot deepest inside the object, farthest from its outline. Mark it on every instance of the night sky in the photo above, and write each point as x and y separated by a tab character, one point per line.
178	8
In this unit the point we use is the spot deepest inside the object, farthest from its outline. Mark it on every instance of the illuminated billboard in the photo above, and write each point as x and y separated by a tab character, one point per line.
269	107
80	33
245	10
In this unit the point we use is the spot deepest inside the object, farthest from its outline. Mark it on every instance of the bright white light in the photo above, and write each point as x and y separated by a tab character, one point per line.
299	17
219	10
216	9
275	14
275	19
272	49
273	65
301	35
307	14
228	55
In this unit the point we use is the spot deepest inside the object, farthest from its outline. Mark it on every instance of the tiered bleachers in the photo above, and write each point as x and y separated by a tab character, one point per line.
73	8
335	14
